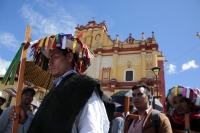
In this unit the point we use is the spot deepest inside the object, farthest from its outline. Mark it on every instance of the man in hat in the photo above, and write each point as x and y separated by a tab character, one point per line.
141	97
184	100
2	101
77	103
6	123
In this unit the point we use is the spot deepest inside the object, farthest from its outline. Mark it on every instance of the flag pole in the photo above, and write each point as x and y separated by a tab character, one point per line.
26	44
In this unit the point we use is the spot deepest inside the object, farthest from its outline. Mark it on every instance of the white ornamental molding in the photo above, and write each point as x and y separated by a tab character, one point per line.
94	68
107	61
135	59
148	57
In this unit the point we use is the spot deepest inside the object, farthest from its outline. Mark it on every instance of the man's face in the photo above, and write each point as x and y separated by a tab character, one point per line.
2	101
59	64
181	105
140	98
27	98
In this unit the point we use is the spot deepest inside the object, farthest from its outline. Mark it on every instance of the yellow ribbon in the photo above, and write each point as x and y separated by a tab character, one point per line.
176	91
41	42
74	46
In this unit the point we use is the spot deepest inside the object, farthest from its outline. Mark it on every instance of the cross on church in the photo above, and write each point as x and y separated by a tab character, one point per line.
93	18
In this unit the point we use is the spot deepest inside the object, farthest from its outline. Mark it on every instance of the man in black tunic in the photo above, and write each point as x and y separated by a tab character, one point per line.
77	102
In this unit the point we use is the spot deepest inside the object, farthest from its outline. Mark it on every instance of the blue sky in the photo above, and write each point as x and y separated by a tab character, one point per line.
174	22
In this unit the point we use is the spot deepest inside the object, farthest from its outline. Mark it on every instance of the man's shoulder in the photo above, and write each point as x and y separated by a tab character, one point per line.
82	78
163	116
8	109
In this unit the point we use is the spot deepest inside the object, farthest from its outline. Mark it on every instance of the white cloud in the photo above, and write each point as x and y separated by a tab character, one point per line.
171	69
56	21
3	66
189	65
9	41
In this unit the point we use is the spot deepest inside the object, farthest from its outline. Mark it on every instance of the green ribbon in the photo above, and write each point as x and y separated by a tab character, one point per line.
43	44
13	67
45	64
57	39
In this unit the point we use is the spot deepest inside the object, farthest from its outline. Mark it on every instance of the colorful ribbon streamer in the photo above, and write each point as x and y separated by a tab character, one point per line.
13	67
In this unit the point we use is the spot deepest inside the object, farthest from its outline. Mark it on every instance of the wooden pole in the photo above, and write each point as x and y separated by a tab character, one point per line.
130	116
21	77
126	105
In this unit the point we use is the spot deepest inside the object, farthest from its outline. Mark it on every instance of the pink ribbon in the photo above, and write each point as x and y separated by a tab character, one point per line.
184	91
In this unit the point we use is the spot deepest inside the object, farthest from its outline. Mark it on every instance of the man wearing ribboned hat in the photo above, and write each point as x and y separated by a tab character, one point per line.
6	123
183	102
77	103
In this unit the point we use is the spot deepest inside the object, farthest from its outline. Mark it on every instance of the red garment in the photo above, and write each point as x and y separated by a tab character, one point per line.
181	119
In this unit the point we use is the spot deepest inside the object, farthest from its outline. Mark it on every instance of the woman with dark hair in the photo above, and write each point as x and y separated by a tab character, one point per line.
183	108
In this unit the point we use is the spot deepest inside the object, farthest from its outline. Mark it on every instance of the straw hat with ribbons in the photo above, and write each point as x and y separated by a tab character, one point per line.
64	41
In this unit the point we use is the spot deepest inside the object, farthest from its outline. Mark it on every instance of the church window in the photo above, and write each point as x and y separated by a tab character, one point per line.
129	75
106	73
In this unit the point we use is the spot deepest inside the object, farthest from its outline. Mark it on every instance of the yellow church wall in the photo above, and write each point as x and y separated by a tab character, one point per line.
106	41
121	70
90	38
108	93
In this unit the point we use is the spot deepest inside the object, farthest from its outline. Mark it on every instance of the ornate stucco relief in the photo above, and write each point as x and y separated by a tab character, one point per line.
149	60
93	70
107	61
135	59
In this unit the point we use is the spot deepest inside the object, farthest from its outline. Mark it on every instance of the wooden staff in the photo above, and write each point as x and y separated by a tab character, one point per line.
127	103
27	40
130	116
126	109
187	126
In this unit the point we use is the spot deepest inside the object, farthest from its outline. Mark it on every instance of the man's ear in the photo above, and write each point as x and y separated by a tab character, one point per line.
149	96
70	56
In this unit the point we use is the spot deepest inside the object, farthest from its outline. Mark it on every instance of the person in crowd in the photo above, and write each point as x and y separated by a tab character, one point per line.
2	101
32	108
180	101
6	123
140	97
119	122
34	105
77	103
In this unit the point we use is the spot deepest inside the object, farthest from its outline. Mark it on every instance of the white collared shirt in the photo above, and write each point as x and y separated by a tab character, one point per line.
93	118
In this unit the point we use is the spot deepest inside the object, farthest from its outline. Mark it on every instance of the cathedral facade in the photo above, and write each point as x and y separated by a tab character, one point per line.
120	64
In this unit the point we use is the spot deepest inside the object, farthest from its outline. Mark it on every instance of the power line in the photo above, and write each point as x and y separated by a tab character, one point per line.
186	52
182	55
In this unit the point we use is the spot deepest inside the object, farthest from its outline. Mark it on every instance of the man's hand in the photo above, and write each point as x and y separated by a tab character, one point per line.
22	115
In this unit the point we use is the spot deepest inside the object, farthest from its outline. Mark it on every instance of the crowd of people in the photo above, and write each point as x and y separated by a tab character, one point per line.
77	103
